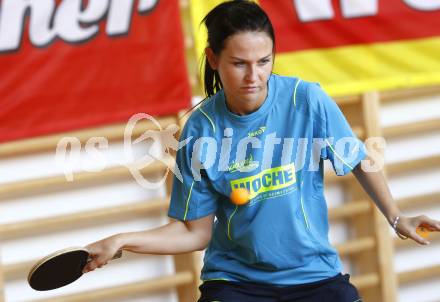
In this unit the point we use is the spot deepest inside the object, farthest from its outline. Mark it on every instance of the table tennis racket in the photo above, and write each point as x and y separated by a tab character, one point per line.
60	268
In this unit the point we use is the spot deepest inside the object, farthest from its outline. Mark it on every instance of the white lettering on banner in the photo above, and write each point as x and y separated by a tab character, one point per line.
71	20
315	10
359	8
12	14
426	5
312	10
119	17
146	5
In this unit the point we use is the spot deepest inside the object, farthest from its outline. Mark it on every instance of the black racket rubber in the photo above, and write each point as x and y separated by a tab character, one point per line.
59	270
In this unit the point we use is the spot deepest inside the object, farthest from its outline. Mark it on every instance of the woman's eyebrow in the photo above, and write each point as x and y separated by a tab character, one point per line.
240	59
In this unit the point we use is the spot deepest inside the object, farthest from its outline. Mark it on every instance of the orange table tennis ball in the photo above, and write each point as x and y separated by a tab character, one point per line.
422	231
239	196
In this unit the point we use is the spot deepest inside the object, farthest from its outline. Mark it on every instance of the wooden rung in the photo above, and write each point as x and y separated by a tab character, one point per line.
360	132
18	270
189	43
392	169
193	81
2	283
49	142
49	183
365	281
346	100
81	219
409	243
419	201
330	177
407	94
419	274
415	164
184	4
355	246
412	128
134	289
349	209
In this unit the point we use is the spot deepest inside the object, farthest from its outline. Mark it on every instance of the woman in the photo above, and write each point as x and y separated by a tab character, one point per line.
268	134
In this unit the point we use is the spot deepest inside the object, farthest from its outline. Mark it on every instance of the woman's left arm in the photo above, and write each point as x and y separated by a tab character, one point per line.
374	183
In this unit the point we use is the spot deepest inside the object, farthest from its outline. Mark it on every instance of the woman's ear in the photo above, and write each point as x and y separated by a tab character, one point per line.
211	57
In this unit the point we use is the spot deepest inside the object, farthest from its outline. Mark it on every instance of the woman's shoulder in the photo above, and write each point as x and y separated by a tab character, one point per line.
296	90
283	80
305	95
295	83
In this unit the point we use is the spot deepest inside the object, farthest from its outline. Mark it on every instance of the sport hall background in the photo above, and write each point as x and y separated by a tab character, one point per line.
81	69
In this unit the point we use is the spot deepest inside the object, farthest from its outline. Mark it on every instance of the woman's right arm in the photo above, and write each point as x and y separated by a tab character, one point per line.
176	237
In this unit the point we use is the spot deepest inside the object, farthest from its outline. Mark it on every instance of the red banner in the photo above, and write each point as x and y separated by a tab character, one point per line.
311	24
71	64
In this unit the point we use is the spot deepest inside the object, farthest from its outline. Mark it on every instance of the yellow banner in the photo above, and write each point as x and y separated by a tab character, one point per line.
350	69
356	69
199	9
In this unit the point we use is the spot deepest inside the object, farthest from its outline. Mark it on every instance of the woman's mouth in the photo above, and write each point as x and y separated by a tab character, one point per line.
250	89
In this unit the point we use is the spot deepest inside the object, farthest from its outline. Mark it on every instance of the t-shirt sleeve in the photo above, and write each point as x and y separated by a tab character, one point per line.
193	195
339	144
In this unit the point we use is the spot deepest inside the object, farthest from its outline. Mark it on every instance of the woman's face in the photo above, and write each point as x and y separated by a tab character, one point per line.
244	66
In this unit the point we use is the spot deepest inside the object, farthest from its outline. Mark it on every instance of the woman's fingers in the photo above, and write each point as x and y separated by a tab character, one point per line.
98	256
100	263
430	224
417	238
420	228
422	221
417	228
89	267
100	253
95	263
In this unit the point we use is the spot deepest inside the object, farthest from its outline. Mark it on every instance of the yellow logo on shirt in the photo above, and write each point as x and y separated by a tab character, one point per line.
257	132
272	179
245	165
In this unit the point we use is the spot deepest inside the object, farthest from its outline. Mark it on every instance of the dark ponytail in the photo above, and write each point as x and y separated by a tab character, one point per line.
211	79
225	20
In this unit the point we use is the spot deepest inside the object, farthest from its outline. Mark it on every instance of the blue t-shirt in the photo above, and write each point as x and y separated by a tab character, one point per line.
281	236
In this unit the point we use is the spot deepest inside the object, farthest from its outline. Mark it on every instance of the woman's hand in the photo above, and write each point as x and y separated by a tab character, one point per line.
101	252
407	226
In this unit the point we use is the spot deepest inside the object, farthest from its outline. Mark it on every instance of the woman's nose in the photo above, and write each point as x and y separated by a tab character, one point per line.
251	73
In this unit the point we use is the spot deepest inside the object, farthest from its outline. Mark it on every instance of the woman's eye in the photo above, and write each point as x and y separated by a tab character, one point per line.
238	64
264	62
